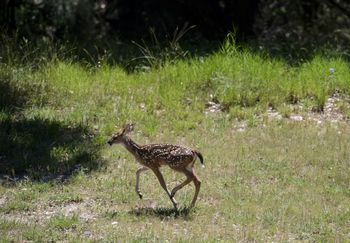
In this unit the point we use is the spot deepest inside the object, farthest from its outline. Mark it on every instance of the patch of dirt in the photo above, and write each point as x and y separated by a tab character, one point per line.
273	114
84	210
240	126
2	201
331	111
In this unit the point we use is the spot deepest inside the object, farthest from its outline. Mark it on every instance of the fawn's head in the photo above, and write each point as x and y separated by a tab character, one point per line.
119	137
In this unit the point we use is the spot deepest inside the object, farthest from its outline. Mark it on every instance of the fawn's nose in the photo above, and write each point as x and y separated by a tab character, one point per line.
110	143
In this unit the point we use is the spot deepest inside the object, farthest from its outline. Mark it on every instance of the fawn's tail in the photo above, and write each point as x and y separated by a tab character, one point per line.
200	156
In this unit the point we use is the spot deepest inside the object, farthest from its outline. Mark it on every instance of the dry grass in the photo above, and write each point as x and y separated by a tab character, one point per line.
282	182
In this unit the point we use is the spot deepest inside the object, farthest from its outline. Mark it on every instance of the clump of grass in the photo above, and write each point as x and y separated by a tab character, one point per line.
156	54
64	198
16	206
6	225
62	222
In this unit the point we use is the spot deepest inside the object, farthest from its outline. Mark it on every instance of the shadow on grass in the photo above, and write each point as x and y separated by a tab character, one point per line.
36	148
45	149
163	213
11	97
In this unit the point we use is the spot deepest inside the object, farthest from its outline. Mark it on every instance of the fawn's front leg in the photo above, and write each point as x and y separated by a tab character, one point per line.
162	183
138	172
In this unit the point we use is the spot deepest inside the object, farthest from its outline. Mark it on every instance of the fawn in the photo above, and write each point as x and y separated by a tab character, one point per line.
152	156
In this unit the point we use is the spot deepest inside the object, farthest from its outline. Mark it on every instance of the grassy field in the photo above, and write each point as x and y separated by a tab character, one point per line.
275	140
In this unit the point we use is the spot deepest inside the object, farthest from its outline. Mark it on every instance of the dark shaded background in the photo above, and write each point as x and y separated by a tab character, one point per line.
278	26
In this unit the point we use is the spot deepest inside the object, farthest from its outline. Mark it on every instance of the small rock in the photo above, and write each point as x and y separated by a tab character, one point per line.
212	107
2	200
296	117
273	114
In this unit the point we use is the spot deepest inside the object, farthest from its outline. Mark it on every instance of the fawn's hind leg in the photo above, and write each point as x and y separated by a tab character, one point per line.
197	183
191	176
178	187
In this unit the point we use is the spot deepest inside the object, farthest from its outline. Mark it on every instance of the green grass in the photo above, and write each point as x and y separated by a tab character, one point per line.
278	180
63	222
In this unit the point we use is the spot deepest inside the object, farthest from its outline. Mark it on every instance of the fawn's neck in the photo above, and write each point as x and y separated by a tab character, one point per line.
131	146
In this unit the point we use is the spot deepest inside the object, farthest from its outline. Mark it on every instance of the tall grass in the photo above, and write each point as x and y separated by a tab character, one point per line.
172	95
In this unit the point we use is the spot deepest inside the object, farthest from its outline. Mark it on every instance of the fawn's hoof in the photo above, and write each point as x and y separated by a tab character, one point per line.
140	195
175	207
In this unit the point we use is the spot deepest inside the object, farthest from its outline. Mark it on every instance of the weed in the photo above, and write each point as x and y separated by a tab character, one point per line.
62	222
16	206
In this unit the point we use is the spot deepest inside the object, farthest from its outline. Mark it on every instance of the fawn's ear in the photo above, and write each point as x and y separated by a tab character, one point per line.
128	128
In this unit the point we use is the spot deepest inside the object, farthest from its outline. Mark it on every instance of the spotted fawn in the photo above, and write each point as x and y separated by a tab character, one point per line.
153	156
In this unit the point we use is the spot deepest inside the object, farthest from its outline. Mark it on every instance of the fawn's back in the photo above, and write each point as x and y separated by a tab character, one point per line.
175	156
